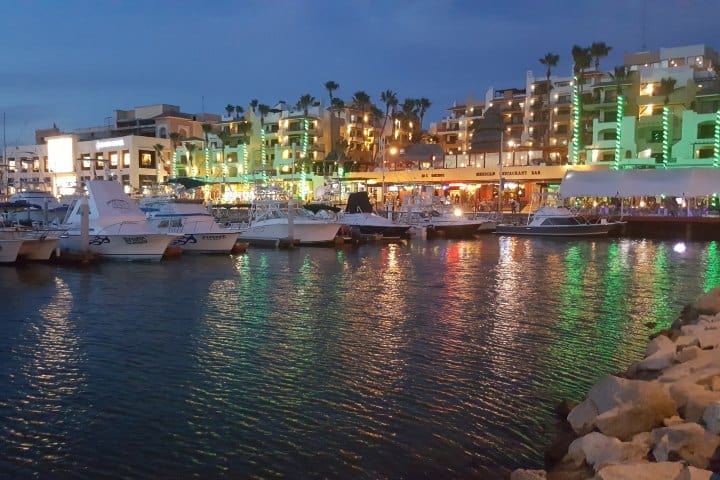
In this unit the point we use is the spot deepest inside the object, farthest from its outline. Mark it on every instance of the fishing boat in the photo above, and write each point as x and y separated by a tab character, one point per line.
439	219
558	221
115	228
359	218
197	230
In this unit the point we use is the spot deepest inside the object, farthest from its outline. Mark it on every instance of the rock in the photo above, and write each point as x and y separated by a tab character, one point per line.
711	418
688	441
674	420
658	360
598	450
692	473
521	474
628	407
689	353
564	408
658	344
688	314
708	303
641	471
692	399
582	417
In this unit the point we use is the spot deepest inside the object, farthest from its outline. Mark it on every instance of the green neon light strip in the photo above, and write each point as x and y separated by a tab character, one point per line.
576	121
207	162
666	135
716	146
618	129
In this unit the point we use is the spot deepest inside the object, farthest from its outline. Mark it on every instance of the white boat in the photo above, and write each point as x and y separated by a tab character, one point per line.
35	206
9	250
443	220
36	244
197	229
276	221
359	218
558	221
118	229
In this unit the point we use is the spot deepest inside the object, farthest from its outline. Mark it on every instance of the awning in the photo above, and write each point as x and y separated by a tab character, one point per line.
187	182
677	182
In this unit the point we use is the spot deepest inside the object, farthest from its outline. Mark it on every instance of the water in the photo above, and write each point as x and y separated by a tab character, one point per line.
429	360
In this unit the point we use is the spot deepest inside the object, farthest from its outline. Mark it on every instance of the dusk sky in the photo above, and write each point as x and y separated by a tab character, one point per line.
73	62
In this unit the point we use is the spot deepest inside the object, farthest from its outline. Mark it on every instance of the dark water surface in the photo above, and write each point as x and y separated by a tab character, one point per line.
428	360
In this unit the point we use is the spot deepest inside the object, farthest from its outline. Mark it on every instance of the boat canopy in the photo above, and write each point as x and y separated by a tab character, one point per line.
676	182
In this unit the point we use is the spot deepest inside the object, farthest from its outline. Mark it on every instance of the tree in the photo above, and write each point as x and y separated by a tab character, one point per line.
667	87
423	104
305	102
620	75
239	110
224	138
175	139
361	101
338	104
581	61
599	50
229	109
253	104
158	156
331	86
244	129
389	98
206	128
550	60
190	147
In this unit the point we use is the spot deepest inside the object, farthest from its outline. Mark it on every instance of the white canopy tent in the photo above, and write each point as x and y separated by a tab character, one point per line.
677	182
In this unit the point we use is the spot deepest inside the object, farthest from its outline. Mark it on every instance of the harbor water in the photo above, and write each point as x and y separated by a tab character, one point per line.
437	359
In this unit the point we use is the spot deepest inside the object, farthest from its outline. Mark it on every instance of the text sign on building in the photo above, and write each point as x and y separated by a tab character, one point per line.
100	144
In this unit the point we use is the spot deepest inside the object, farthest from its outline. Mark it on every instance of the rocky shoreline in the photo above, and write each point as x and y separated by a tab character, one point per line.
660	420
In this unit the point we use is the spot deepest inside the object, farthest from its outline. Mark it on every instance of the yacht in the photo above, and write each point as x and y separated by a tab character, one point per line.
36	244
197	229
439	219
35	206
9	250
276	221
117	228
557	221
360	218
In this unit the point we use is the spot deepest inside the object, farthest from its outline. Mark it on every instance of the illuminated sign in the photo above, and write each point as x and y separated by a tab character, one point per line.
61	158
109	143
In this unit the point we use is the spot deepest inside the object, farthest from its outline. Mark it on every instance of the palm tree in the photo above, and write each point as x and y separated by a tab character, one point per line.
190	147
423	104
229	109
550	60
667	87
158	147
305	102
239	110
225	140
408	113
361	101
620	75
206	128
331	86
244	129
175	139
581	61
599	50
253	104
338	104
390	100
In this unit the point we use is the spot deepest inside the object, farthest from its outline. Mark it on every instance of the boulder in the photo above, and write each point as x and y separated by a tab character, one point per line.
692	399
598	450
607	392
658	344
657	361
708	303
521	474
630	419
688	441
692	473
687	354
711	418
582	417
641	471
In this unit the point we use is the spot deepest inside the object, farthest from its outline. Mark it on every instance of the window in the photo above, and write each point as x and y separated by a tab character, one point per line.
564	99
609	135
561	129
707	152
656	136
706	130
608	156
126	159
114	160
611	116
147	159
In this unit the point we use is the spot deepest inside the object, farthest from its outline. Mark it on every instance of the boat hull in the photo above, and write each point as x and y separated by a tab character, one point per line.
589	230
210	243
303	232
123	247
38	248
9	250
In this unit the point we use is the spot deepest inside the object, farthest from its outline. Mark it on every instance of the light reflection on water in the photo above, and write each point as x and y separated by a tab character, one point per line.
439	358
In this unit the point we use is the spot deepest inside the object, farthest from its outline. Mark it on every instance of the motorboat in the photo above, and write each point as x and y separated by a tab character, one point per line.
116	227
359	218
273	221
439	219
9	250
557	221
35	207
197	230
37	244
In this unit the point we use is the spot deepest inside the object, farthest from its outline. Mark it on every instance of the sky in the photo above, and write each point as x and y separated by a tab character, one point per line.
72	63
